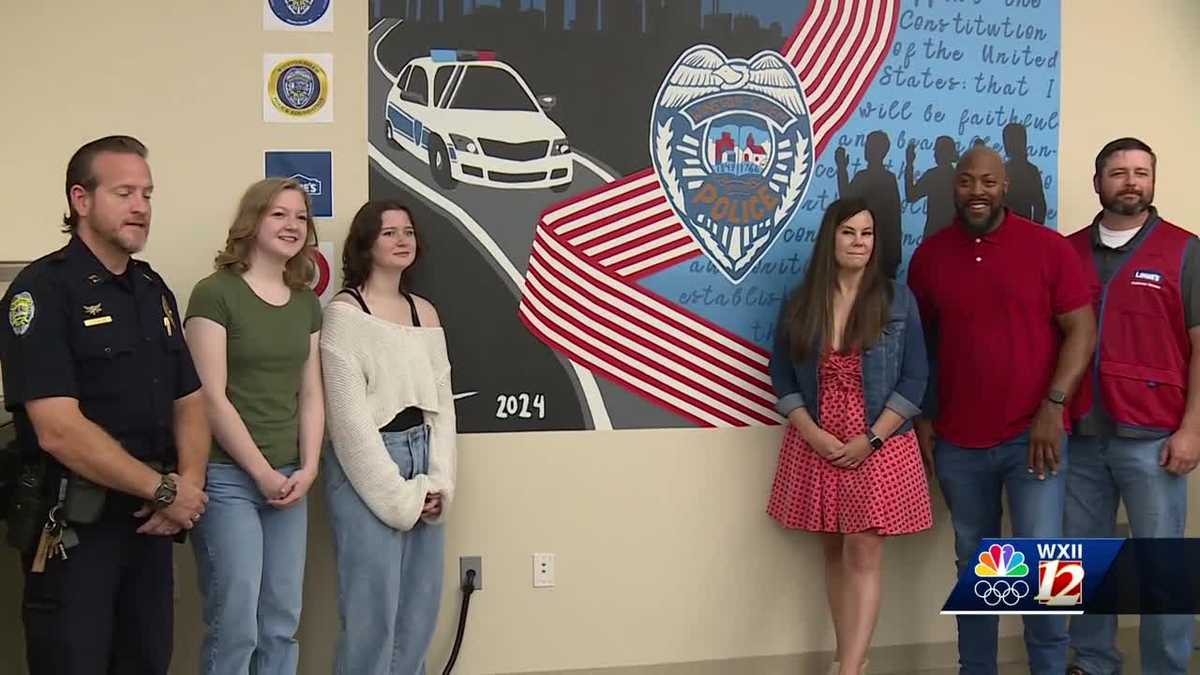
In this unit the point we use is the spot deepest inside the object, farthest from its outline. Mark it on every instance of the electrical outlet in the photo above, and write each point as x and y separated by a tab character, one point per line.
471	562
543	570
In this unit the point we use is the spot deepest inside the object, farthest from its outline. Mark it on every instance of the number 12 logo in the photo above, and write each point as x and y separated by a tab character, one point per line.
1060	582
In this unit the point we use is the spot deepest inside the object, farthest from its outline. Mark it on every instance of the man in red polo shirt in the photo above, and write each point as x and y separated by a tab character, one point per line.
1010	332
1137	436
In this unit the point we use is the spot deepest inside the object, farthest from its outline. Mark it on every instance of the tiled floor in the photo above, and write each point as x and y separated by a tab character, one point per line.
1012	669
1019	669
884	660
1128	649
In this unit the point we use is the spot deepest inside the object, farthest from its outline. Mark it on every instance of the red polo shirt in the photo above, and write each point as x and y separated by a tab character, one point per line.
990	302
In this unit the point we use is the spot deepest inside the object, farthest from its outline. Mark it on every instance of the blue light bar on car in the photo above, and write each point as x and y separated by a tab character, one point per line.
454	55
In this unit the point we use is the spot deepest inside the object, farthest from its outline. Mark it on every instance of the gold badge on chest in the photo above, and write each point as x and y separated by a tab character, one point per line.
168	316
94	312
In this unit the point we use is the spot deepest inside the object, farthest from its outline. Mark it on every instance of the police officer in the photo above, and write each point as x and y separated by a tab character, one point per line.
107	402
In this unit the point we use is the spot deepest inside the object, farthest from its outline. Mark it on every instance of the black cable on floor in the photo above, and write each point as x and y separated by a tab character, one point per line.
467	589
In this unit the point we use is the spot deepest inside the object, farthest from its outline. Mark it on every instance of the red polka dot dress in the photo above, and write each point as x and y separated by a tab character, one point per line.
887	493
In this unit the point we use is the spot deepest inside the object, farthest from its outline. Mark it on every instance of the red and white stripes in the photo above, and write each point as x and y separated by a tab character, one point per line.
581	296
836	50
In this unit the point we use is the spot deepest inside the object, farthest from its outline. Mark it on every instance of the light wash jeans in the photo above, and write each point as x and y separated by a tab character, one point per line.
389	582
250	558
1103	472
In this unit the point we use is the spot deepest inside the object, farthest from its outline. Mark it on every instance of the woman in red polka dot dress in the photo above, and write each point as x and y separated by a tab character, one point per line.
849	367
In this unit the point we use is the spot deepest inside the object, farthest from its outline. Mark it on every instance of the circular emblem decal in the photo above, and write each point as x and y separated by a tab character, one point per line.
298	87
324	275
299	12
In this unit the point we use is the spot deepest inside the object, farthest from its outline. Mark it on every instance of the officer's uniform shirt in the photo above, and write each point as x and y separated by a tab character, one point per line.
114	343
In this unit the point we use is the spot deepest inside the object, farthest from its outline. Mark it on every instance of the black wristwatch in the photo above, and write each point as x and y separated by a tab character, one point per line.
1056	397
875	441
164	495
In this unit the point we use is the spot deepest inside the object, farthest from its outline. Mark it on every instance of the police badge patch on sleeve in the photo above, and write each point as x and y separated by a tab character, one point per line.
20	312
731	140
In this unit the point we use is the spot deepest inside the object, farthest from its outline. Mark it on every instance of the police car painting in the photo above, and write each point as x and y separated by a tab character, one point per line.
474	119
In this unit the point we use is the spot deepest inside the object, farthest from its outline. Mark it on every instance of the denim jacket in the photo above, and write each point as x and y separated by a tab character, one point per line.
895	368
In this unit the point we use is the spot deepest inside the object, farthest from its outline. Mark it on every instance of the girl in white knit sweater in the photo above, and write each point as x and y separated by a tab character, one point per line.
390	477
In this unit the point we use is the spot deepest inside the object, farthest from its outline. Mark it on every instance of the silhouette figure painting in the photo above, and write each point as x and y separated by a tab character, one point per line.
935	185
880	189
1026	196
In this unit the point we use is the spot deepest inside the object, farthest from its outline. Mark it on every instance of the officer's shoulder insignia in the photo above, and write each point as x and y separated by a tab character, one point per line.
732	144
20	312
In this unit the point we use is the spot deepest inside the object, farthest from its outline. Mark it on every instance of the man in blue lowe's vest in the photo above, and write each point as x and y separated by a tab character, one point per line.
1137	413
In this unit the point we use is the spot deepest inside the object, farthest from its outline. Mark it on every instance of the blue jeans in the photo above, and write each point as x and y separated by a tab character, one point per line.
972	480
1103	472
389	581
250	559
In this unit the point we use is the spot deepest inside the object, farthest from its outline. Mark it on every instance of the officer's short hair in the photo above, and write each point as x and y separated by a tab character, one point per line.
255	203
79	169
1121	145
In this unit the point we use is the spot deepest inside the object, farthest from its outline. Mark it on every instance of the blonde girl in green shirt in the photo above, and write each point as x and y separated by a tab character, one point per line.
254	327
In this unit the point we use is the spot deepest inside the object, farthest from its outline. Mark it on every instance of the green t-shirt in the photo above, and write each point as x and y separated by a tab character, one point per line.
265	350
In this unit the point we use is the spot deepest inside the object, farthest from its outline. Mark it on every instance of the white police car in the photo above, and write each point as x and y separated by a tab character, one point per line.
473	119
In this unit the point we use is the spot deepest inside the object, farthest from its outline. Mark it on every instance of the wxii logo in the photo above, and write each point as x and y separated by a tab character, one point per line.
1060	575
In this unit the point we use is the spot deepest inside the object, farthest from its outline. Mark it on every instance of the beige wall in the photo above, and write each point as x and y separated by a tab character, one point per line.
664	554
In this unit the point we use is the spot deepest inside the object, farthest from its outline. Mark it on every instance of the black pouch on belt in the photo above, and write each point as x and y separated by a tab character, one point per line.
85	500
29	506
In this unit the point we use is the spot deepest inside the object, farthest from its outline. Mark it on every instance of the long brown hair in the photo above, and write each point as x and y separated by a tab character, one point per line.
364	231
299	269
808	317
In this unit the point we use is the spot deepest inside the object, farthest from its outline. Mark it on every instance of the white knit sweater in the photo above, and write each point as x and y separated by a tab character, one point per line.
373	369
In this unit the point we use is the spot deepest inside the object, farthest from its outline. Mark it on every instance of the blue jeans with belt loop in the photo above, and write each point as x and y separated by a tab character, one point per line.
389	581
973	481
1105	471
250	559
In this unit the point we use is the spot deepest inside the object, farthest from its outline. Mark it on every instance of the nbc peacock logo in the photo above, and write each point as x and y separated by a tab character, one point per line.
1001	570
1001	561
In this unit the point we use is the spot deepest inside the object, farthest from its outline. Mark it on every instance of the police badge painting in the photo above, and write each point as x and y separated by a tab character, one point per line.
298	88
731	142
702	145
645	280
298	15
